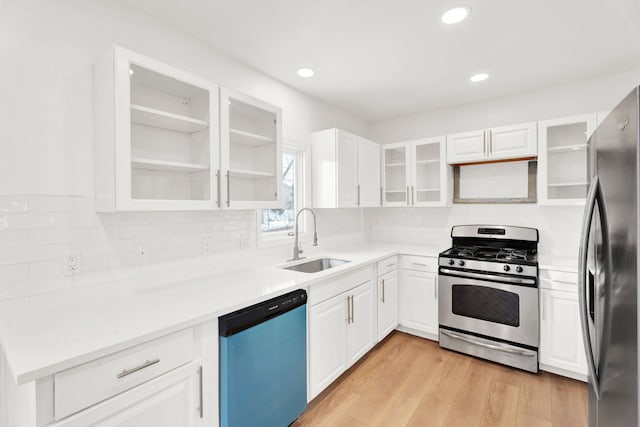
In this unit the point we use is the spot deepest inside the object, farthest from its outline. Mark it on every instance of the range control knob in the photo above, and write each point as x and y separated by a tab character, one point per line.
519	269
451	262
506	268
461	263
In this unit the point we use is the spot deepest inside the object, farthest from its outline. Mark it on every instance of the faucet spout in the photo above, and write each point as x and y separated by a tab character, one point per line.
296	245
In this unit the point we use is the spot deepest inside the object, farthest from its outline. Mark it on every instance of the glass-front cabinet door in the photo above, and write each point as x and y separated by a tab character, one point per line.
563	161
251	152
396	174
429	172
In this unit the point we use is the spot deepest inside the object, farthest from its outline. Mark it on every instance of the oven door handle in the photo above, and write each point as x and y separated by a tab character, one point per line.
489	346
491	278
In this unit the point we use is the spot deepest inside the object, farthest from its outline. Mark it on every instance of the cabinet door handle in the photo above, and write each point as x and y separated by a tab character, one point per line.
413	195
407	195
390	265
380	195
383	291
435	290
419	264
358	190
353	312
219	185
228	188
490	141
201	409
348	310
484	142
542	309
146	364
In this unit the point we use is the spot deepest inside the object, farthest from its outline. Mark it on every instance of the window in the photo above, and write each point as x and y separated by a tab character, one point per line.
282	221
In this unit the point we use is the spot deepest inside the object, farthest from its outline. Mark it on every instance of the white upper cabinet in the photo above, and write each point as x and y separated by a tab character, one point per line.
345	170
251	152
507	142
563	164
168	140
156	136
415	173
368	173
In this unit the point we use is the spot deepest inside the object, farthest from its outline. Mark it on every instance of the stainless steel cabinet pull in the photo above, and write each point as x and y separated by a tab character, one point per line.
383	291
146	364
484	141
219	184
413	196
353	312
407	195
380	195
348	309
358	189
489	346
201	396
228	189
435	290
490	141
419	264
390	265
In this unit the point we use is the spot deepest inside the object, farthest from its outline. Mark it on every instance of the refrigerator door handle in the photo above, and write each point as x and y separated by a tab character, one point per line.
582	285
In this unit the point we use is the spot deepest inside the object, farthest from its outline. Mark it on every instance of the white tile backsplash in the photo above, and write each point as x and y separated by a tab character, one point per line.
117	249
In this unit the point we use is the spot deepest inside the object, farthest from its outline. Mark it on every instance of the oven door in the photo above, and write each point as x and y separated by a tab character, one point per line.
496	310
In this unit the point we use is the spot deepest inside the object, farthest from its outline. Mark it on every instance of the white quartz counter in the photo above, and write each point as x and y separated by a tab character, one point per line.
43	343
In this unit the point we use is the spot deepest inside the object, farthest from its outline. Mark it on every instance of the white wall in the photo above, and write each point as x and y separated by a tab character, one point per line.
46	163
588	96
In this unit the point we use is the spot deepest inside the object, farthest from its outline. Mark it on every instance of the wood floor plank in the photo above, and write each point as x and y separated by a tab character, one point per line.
410	381
472	397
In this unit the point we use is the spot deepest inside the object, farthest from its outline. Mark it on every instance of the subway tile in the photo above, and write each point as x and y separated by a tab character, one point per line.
33	287
43	203
33	253
13	273
14	203
45	269
14	238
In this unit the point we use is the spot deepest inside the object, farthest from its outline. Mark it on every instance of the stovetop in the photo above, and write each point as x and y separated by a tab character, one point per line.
488	253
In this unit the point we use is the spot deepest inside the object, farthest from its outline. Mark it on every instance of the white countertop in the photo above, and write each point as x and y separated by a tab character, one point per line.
43	343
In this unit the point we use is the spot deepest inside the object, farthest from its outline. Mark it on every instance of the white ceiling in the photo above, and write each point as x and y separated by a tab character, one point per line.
382	59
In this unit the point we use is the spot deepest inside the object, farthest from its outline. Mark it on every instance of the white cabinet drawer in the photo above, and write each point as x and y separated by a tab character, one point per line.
558	280
85	385
387	265
331	287
420	263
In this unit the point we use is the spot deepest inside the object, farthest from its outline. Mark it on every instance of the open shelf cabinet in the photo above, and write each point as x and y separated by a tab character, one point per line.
251	152
156	136
564	168
415	173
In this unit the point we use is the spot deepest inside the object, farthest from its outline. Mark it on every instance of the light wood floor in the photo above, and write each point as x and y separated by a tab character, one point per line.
410	381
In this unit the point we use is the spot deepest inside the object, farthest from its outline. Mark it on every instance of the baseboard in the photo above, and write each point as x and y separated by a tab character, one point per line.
422	334
563	372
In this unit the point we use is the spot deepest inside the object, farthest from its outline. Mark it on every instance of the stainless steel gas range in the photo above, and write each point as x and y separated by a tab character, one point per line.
488	294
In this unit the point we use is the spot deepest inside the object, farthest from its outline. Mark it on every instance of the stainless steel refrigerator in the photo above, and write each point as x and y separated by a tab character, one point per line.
608	269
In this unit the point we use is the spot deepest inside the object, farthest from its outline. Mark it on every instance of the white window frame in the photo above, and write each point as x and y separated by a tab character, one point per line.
302	198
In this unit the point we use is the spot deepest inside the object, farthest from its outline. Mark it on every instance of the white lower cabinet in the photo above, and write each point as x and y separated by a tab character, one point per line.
387	303
419	295
419	306
561	344
341	330
172	400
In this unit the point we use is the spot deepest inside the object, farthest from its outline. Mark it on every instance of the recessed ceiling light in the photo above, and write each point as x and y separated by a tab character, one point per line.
479	77
305	72
456	14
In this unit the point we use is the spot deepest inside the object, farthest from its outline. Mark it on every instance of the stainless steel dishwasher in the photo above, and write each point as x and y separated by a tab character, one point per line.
263	363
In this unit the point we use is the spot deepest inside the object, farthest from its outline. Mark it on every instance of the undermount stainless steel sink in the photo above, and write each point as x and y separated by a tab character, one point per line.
316	265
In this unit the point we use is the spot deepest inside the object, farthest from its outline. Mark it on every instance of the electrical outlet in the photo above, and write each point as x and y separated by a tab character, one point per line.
207	246
71	262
